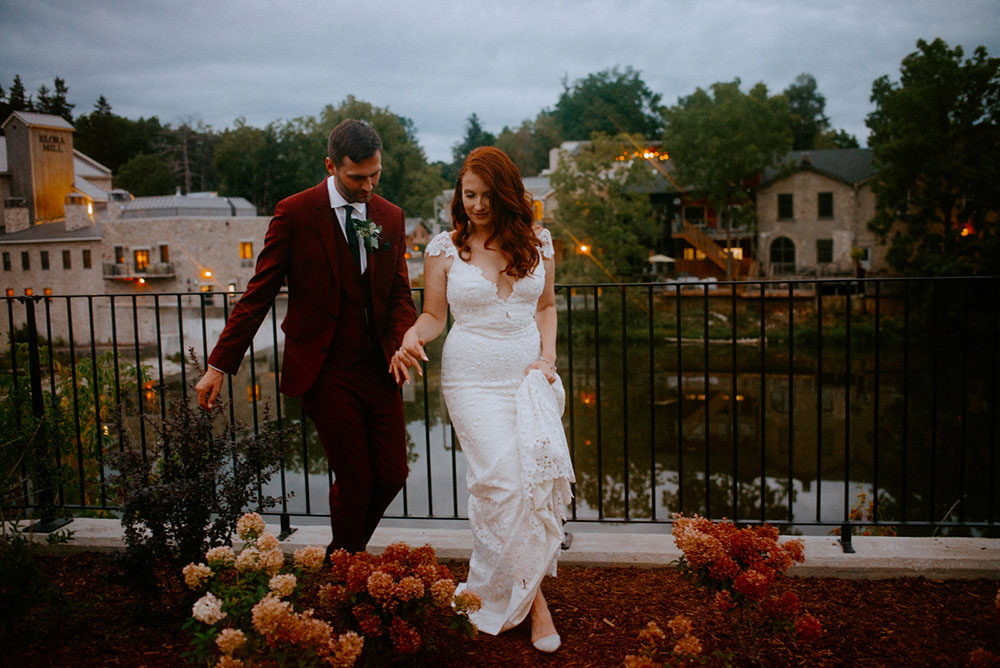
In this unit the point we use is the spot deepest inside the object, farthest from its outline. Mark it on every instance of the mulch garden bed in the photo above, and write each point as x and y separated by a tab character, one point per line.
93	619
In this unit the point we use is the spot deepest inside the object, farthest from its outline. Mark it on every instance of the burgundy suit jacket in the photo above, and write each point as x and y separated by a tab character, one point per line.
300	245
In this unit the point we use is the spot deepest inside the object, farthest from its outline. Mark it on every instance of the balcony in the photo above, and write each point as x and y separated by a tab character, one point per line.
122	271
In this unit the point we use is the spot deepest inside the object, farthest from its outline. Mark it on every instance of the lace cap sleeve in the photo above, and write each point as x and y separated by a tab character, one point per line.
441	243
546	238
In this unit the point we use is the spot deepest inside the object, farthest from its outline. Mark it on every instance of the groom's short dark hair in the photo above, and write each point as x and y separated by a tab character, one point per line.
353	139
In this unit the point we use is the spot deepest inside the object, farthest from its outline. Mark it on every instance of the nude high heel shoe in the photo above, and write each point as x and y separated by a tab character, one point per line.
548	644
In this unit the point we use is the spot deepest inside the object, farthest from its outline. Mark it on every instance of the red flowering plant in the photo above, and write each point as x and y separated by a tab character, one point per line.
250	611
400	601
743	567
686	650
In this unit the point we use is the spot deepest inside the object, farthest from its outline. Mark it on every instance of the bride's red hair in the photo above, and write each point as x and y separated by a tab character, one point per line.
510	206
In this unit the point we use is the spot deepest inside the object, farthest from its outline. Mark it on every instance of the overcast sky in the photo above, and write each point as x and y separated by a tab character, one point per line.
437	61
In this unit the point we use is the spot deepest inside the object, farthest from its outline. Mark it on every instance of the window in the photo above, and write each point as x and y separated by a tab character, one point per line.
246	253
824	251
6	261
783	256
67	261
785	206
45	259
694	215
25	261
119	255
164	253
141	256
206	297
86	258
693	254
825	203
736	252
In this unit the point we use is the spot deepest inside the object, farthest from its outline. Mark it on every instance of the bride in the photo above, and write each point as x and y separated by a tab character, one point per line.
495	272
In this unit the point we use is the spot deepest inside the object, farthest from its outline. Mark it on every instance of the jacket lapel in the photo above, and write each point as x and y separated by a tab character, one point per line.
325	219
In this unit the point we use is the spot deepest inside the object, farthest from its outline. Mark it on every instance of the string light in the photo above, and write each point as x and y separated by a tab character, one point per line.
646	154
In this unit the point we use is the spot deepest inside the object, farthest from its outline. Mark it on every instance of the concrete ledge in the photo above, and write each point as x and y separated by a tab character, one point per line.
875	557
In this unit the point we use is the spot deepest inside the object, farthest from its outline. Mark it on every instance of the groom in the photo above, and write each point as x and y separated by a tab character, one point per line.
349	304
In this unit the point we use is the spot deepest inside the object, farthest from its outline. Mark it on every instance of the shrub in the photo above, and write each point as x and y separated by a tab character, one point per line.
184	494
256	610
401	601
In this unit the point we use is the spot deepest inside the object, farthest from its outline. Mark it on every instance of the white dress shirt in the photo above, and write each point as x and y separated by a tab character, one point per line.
337	201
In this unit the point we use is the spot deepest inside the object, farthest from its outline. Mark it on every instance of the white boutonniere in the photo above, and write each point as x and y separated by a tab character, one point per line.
368	232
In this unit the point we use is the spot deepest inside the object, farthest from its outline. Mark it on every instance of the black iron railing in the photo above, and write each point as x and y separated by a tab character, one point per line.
815	403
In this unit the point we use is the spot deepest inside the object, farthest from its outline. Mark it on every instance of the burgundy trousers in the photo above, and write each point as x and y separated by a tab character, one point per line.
358	414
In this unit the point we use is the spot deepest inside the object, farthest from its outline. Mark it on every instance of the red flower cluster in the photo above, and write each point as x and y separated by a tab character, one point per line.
743	565
391	598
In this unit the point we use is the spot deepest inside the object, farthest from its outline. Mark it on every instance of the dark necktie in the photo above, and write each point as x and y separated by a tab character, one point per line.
352	235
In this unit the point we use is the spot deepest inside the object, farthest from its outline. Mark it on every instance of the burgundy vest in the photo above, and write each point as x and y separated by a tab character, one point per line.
354	338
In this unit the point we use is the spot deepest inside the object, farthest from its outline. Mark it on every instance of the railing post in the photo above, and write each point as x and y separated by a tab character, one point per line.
845	538
44	496
286	526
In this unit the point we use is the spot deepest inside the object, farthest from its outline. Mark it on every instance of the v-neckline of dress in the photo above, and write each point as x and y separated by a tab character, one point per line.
496	285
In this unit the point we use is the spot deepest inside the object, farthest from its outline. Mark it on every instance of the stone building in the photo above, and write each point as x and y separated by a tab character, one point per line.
104	262
813	214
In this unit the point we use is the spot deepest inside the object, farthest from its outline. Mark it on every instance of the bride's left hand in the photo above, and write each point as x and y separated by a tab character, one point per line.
546	367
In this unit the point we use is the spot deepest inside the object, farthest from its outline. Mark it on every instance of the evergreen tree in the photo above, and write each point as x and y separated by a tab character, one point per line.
475	136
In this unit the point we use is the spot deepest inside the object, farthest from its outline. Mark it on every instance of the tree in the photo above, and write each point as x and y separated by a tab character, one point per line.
113	140
145	175
55	103
15	99
612	102
936	145
720	141
529	145
602	204
475	136
810	126
806	105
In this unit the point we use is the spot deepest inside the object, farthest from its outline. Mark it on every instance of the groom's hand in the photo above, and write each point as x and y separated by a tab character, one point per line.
208	388
410	354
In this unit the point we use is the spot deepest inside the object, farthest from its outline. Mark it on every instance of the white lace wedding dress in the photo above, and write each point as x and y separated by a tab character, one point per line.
518	487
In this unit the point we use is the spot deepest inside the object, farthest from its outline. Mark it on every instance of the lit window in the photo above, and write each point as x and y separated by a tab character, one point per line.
231	287
28	292
164	253
693	254
736	252
141	259
246	250
253	393
119	254
538	208
10	292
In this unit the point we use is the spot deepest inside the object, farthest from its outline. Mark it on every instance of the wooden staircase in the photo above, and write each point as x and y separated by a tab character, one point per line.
713	251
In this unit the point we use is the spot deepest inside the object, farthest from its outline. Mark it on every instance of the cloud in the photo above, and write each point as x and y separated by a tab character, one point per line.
438	61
